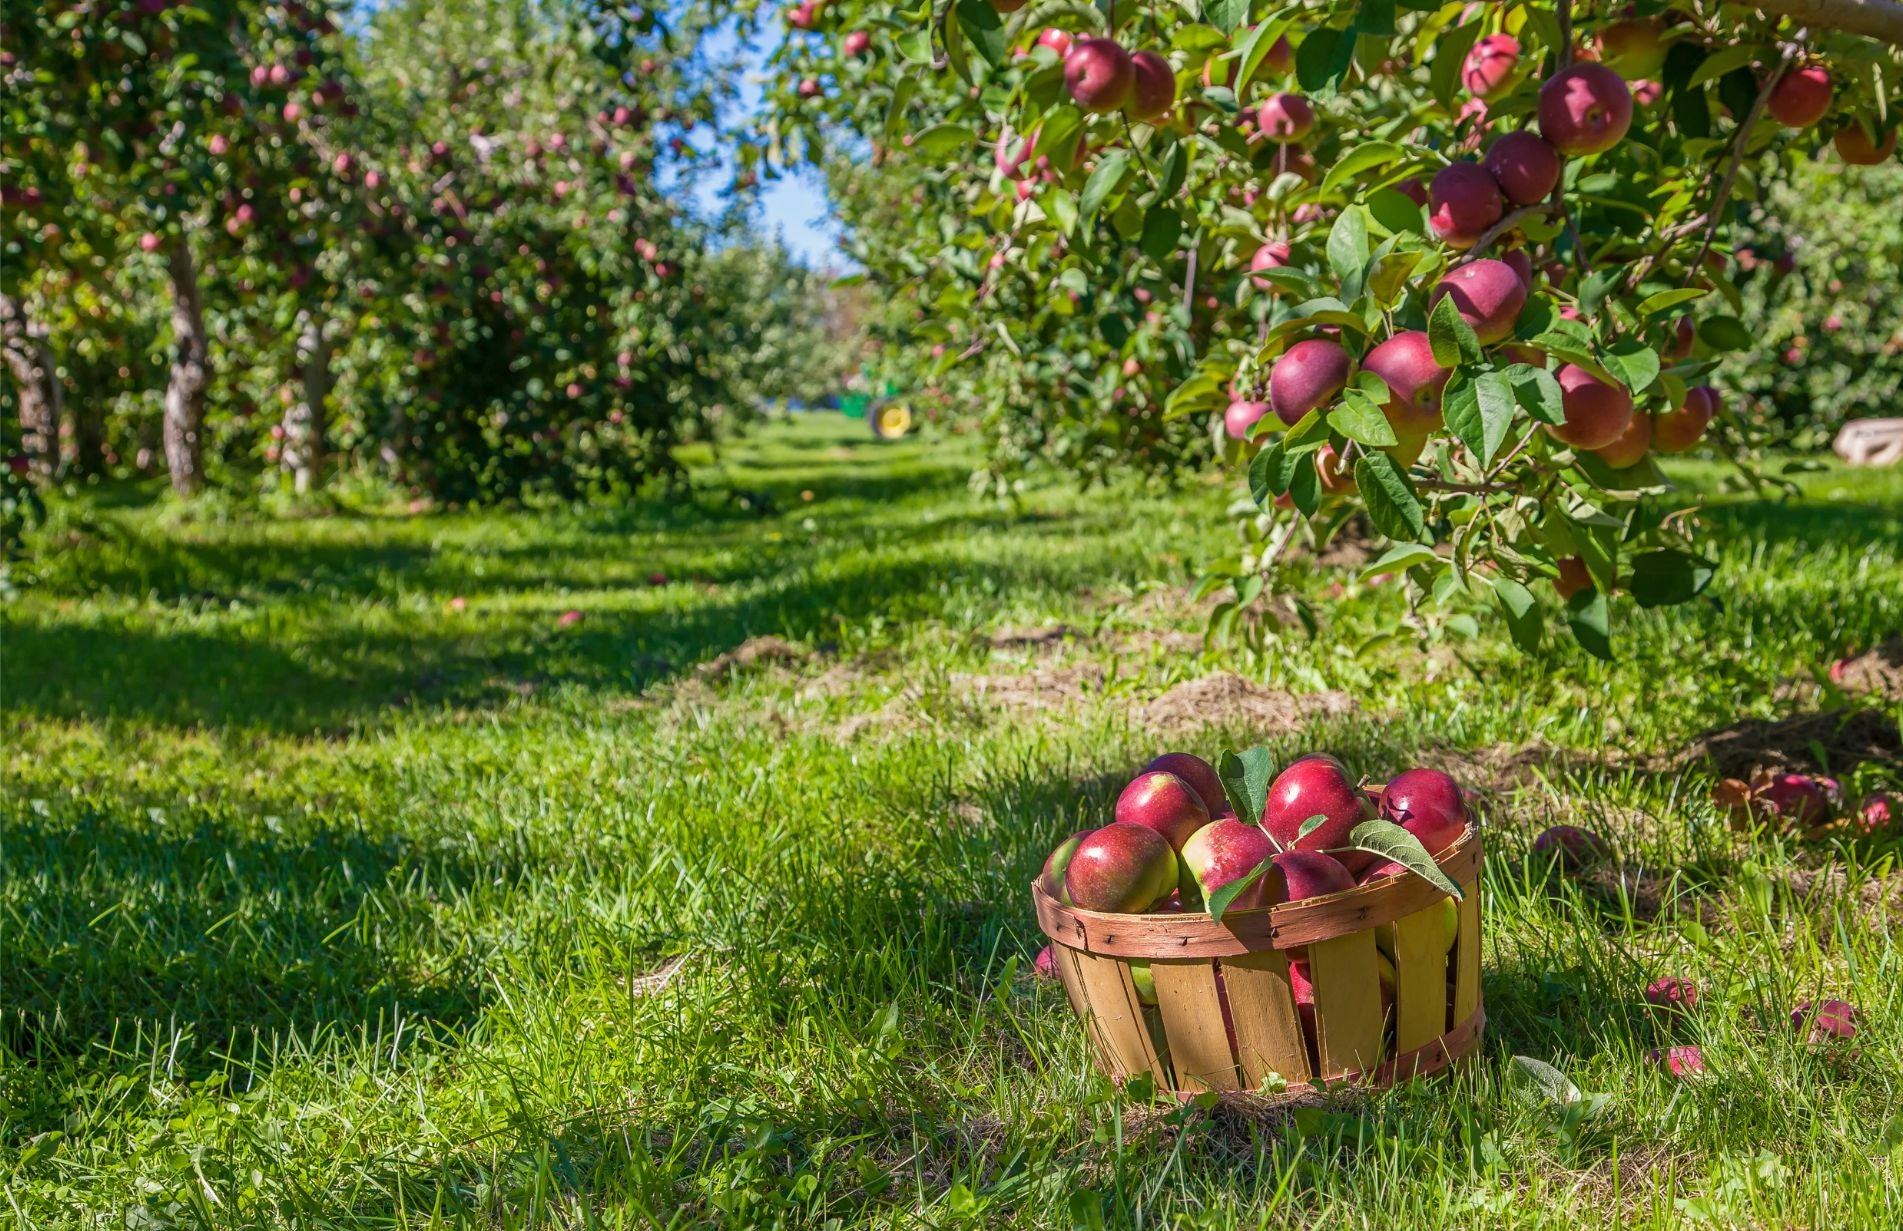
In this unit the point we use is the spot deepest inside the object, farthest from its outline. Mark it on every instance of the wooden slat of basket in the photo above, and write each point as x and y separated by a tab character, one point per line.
1116	1016
1467	954
1193	1022
1065	959
1268	1028
1420	976
1347	1002
1173	936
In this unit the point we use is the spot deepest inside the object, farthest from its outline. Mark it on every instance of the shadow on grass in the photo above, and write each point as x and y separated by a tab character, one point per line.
116	924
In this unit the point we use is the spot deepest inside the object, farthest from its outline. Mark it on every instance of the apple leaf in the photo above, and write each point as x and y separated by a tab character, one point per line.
1452	339
1362	158
1348	245
1257	46
1634	363
941	140
1106	179
1390	841
1652	305
1309	433
1226	15
983	29
1479	411
1358	418
1538	391
1522	613
1724	333
1662	578
1270	473
1162	229
1392	506
1401	556
1245	779
1589	618
1450	50
1224	896
1310	825
1305	487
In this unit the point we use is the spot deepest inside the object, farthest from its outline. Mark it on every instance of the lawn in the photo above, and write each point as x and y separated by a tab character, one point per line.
350	881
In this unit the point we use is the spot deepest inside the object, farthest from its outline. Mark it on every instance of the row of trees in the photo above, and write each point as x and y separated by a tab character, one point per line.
452	244
1459	269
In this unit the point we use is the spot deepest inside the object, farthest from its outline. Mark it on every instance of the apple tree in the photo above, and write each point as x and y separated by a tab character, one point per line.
1461	270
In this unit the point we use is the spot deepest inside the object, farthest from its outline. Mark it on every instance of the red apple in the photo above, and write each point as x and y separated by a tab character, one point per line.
1801	97
1630	446
1153	86
1585	109
1463	201
1309	374
1489	66
1295	875
1165	803
1684	1061
1123	868
1220	852
1406	362
1573	577
1672	994
1525	165
1241	416
1045	967
1428	804
1520	261
1201	777
1272	255
1575	849
856	43
1876	814
1678	430
1834	1019
1057	862
1285	118
1855	146
149	242
1057	40
1488	295
1312	786
1798	798
1596	412
1099	74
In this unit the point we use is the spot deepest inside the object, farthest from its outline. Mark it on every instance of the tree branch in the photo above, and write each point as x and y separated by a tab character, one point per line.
1740	139
1500	228
1878	19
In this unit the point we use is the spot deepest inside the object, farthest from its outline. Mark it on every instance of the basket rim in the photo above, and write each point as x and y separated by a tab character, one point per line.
1288	926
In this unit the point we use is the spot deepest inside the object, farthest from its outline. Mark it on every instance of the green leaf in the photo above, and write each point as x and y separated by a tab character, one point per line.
1396	213
1376	18
983	27
1390	841
1221	899
1162	229
1309	433
1175	168
1389	497
1315	58
1726	333
1364	157
1269	473
1226	15
1305	486
942	140
1450	50
1348	244
1256	48
1358	418
1310	825
1663	578
1452	339
1479	412
1522	612
1245	780
1656	303
1718	63
1537	1082
1538	391
1106	179
916	45
1400	557
1589	616
1632	363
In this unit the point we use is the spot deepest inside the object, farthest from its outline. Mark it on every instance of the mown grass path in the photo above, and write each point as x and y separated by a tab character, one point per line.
348	884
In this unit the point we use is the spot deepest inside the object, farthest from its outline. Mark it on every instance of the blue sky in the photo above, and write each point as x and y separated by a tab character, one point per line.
794	207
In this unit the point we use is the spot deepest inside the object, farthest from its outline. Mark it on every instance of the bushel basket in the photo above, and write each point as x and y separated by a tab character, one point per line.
1226	1016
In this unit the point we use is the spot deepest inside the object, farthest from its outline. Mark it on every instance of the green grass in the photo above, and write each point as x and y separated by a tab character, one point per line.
327	905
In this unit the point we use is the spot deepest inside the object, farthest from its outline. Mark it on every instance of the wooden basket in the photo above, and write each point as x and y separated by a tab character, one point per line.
1226	1017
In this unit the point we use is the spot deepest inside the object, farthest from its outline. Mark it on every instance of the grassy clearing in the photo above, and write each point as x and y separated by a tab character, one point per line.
327	903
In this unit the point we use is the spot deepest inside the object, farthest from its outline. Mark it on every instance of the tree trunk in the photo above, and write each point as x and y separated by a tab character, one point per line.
191	376
305	419
89	437
36	386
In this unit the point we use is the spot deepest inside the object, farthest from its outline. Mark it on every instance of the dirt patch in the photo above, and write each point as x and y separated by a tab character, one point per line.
656	980
1878	673
1874	897
1048	688
1834	741
754	652
1350	548
1646	893
1226	699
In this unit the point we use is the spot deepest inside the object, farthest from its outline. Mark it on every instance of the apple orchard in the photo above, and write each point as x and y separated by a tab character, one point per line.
1457	272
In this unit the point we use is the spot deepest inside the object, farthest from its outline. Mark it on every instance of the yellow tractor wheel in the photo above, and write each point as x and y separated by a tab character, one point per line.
890	420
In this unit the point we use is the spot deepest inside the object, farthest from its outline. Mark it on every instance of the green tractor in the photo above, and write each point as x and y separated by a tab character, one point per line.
888	414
